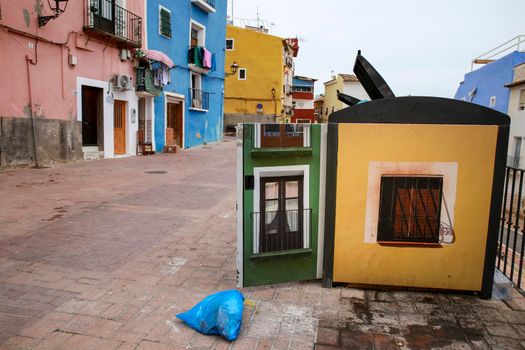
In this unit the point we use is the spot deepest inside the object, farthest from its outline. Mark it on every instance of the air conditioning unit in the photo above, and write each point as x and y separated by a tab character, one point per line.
122	82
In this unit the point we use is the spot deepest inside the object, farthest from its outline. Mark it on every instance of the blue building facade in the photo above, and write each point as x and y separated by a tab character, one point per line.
486	86
192	103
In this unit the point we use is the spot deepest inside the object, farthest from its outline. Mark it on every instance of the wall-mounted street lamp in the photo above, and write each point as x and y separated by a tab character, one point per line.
274	103
58	8
234	67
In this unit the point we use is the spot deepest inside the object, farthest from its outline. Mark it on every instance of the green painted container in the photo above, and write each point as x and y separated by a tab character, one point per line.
275	243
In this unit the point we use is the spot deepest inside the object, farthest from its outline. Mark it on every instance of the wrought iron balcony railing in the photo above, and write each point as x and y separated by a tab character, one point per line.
200	99
282	230
105	19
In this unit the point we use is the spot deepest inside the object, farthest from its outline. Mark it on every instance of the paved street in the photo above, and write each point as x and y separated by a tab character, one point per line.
103	254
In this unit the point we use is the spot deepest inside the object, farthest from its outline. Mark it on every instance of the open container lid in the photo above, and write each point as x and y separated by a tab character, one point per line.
372	81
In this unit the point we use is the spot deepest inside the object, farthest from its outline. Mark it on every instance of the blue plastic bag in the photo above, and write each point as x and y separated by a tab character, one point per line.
217	314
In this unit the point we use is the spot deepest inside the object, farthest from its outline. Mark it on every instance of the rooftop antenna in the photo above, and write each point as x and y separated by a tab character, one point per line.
233	18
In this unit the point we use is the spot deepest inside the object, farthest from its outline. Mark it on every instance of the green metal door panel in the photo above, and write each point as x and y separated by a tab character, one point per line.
294	265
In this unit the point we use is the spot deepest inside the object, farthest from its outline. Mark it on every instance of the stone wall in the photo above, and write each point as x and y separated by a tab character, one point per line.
231	120
56	140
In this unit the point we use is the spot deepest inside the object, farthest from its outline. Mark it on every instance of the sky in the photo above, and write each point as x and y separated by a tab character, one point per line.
420	47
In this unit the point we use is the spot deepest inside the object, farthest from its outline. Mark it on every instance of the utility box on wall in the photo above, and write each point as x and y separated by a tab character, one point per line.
414	195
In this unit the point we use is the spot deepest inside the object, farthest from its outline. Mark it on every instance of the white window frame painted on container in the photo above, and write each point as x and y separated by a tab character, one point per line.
377	169
280	171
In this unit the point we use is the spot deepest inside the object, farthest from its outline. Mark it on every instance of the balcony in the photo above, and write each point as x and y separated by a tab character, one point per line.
196	60
200	100
282	232
107	21
207	6
145	85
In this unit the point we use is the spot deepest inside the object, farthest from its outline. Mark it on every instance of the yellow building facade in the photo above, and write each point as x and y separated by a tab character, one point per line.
345	83
255	92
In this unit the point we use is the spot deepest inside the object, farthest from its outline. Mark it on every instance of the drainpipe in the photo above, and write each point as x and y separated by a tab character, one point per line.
33	126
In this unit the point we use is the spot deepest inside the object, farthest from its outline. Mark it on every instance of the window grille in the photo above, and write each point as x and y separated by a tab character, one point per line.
410	208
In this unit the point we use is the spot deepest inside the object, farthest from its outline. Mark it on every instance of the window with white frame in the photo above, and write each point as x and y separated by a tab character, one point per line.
492	102
164	22
196	91
521	105
197	34
242	73
230	44
281	135
282	217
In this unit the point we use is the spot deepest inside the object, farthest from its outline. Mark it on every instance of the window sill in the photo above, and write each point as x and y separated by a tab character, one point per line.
410	244
197	69
198	109
286	253
282	152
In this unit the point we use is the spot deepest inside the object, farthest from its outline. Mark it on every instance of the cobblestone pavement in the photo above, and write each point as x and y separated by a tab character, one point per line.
103	254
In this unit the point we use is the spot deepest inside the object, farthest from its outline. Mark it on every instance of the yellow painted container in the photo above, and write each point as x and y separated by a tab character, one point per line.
468	153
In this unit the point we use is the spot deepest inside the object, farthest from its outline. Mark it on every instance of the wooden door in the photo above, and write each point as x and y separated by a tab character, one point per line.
175	121
119	126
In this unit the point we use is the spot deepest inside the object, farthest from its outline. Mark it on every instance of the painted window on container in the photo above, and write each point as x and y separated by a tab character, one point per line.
282	218
409	209
281	135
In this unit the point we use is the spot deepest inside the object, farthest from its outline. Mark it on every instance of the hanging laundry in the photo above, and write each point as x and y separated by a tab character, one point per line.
165	75
213	63
191	55
197	56
157	79
207	59
161	75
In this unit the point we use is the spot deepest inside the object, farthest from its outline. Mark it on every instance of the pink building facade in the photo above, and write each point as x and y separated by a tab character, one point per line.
68	86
